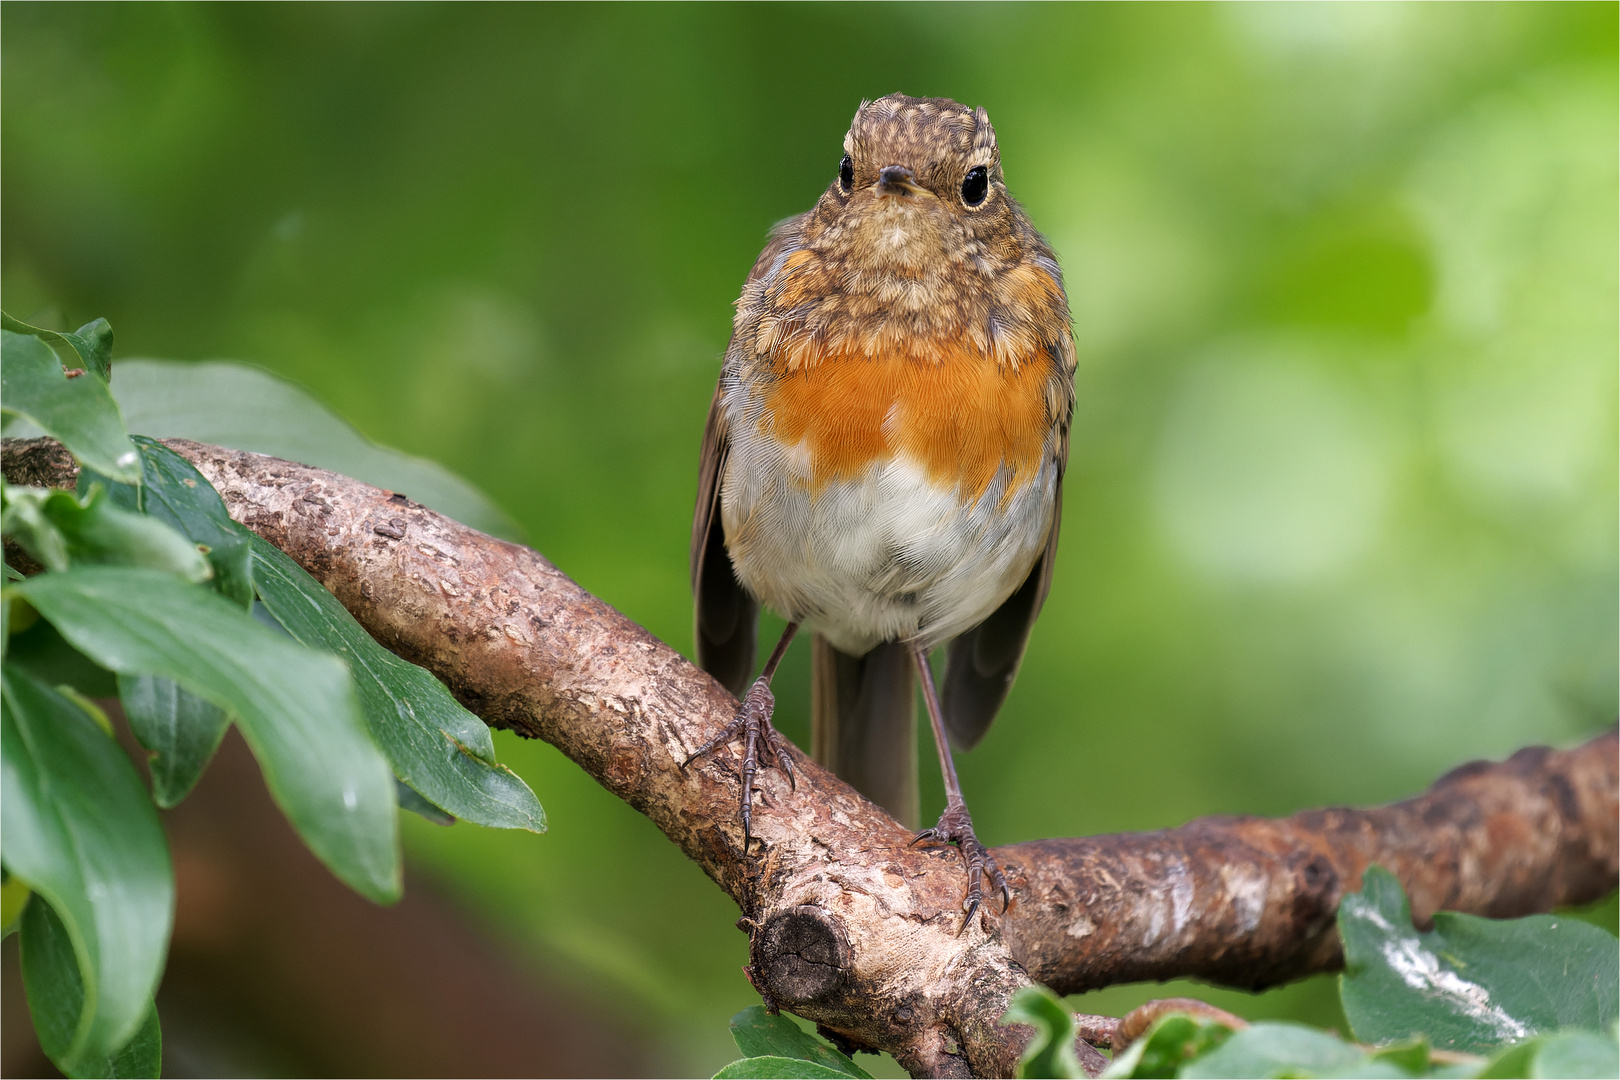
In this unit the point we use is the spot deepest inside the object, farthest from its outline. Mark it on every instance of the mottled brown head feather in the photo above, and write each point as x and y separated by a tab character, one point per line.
936	138
878	269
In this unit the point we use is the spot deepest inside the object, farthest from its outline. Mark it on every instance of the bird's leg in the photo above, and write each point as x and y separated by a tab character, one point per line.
753	723
955	825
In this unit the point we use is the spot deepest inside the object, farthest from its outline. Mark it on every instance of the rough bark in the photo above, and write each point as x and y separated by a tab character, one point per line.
849	926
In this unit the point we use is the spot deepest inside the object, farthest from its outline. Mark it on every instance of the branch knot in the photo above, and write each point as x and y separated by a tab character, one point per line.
801	954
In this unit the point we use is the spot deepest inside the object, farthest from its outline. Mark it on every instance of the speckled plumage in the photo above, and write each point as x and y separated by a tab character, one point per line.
885	451
897	393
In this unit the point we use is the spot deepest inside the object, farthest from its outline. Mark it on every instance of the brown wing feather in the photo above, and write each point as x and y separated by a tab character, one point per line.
981	663
726	616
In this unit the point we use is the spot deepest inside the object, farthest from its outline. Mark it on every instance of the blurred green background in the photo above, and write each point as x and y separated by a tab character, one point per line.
1341	504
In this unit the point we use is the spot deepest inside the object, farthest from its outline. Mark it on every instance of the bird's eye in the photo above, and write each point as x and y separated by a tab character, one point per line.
846	174
976	186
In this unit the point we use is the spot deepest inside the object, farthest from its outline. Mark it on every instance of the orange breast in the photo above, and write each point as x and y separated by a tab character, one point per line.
959	416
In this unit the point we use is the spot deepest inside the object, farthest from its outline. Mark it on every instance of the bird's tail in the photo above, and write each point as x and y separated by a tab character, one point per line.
864	723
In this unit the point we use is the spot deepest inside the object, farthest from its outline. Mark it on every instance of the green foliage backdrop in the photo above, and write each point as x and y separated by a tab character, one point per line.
1342	501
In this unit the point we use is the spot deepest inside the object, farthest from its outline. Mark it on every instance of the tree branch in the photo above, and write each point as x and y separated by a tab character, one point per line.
848	925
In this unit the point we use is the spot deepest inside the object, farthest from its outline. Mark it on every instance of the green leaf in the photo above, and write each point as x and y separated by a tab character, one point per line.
78	827
181	730
51	980
42	651
91	343
1278	1049
56	999
79	413
1513	1061
437	747
17	616
1410	1057
1561	1054
56	996
1050	1052
23	521
763	1068
175	493
14	897
410	800
91	709
1470	984
296	707
1167	1046
141	1056
59	530
758	1034
247	408
1577	1054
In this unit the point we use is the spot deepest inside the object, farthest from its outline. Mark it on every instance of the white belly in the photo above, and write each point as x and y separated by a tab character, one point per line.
883	556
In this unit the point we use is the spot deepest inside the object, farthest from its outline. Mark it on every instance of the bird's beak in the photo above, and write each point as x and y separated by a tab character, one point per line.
898	180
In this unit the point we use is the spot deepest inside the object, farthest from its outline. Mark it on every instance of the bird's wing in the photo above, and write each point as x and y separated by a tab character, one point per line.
727	617
981	663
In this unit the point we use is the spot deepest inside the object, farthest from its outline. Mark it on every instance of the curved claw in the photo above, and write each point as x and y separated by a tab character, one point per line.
972	908
726	735
753	723
784	761
955	827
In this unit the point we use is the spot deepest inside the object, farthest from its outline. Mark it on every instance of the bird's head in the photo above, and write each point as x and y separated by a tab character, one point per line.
919	185
915	243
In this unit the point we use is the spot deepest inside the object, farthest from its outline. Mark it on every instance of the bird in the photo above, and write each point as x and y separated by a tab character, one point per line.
883	462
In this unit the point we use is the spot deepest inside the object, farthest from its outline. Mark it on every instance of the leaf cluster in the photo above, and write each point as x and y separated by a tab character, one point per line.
150	592
1531	997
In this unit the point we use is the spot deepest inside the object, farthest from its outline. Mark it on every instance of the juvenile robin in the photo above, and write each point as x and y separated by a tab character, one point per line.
884	457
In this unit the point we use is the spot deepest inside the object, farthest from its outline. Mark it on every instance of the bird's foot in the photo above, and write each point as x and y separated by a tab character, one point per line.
956	827
753	723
